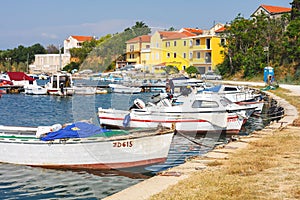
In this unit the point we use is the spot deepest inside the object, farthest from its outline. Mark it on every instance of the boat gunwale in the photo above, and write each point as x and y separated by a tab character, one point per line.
33	140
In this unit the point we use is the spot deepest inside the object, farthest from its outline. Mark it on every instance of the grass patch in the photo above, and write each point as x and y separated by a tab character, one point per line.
266	169
215	163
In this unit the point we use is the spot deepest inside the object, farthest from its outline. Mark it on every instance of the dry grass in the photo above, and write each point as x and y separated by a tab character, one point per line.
268	168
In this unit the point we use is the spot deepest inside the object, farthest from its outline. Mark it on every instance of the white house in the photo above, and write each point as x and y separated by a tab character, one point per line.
271	11
51	63
75	42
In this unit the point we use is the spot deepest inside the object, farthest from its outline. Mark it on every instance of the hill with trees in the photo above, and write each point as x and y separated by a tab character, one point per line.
261	41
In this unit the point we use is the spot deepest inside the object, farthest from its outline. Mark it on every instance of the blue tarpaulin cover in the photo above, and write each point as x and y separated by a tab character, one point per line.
213	89
75	130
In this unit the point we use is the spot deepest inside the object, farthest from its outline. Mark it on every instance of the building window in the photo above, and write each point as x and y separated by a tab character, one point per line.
222	41
147	46
191	55
168	55
131	48
208	43
184	43
191	43
131	56
183	67
198	55
147	56
197	42
157	56
184	55
175	55
175	43
167	44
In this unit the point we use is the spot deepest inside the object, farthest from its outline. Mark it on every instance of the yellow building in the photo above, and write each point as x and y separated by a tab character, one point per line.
183	48
206	52
137	49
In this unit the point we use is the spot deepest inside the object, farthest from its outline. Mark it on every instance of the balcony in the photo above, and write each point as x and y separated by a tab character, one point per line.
145	50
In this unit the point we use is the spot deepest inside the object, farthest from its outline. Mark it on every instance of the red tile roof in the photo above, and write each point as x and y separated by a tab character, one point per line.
220	30
142	38
82	38
275	9
194	30
174	34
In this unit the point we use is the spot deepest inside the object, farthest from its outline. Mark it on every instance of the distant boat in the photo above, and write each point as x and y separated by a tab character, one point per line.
34	89
110	149
60	84
118	88
20	78
84	90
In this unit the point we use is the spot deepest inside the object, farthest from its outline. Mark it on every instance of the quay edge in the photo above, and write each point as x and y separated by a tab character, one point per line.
149	187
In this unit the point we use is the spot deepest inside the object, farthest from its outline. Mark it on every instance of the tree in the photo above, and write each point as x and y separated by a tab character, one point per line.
246	41
192	70
104	56
171	69
172	29
52	49
295	9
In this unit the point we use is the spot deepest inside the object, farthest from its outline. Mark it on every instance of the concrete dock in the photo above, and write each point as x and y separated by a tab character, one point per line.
156	184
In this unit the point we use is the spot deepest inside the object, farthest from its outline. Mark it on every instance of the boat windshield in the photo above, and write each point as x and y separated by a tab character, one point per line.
205	104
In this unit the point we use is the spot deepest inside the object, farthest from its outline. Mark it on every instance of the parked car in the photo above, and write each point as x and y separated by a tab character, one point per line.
211	76
127	68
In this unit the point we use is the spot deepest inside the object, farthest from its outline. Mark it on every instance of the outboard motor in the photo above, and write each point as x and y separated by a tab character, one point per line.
137	104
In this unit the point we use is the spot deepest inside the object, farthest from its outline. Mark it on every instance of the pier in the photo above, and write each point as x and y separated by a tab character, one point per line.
12	89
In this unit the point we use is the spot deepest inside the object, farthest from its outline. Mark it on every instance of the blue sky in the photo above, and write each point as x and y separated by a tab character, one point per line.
27	22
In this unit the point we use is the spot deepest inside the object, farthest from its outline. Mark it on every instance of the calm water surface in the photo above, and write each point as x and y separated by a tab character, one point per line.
22	182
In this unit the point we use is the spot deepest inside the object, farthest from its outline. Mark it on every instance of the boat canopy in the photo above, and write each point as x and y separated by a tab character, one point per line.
19	76
75	130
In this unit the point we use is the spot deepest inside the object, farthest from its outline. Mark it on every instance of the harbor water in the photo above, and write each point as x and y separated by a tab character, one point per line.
24	182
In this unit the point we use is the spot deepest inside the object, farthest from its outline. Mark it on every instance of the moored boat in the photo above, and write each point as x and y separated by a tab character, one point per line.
60	84
118	88
196	114
110	149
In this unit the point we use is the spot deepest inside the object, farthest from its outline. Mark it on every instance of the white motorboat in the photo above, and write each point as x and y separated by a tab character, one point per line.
34	89
198	113
60	84
82	146
239	94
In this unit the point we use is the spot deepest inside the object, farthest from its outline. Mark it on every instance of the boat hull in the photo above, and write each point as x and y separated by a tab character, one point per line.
182	123
88	153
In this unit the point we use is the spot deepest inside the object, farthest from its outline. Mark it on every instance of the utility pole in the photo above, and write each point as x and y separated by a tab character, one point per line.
266	49
59	58
27	62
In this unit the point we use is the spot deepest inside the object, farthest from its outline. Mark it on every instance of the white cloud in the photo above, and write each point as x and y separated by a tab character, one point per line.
49	36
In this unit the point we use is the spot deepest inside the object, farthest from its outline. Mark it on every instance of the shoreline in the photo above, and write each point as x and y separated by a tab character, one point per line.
170	177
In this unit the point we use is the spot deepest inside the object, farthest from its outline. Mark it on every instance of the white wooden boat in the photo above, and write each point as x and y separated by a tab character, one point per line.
60	84
118	88
109	150
200	113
